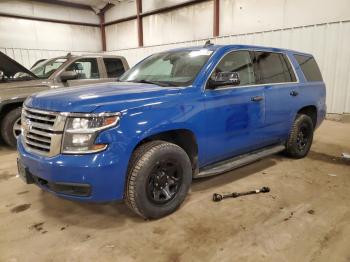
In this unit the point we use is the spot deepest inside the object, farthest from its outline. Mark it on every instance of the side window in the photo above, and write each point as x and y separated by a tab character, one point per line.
309	67
114	67
239	62
86	68
273	68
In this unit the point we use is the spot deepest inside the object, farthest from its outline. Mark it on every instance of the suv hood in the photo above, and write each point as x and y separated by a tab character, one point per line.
10	67
107	97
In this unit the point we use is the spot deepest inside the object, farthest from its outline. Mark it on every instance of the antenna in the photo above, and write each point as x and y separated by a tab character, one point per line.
208	43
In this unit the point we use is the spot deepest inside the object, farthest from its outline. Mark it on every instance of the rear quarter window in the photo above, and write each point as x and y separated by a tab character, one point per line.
309	67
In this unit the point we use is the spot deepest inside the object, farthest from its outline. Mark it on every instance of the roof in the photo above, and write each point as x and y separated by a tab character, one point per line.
87	55
237	46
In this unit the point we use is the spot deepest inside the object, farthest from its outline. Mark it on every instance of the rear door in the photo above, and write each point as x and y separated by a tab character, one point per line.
114	67
235	115
280	83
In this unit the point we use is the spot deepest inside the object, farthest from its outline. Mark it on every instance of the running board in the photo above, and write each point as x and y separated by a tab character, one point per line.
233	163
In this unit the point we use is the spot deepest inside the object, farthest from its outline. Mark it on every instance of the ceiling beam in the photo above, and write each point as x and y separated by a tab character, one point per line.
48	20
103	31
106	7
66	4
156	11
216	21
101	14
121	20
139	22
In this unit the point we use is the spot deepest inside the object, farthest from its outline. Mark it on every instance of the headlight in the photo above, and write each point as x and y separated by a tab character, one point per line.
81	131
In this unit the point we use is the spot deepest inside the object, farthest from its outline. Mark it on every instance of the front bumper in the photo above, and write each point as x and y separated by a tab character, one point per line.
96	177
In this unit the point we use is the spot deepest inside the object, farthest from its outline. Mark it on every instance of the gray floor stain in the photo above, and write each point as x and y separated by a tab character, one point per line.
20	208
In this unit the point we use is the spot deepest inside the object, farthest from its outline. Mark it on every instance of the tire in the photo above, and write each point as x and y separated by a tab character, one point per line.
300	137
10	121
159	178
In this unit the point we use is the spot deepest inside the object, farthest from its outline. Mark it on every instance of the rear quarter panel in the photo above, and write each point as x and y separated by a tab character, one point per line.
310	93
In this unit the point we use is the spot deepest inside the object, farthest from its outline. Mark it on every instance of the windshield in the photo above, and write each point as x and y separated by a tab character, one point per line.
46	68
174	68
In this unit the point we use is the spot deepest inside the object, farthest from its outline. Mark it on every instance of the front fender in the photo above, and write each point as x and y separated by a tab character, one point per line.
137	124
140	123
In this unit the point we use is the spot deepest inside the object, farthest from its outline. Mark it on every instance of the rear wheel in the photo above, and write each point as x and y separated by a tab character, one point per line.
11	126
159	178
301	137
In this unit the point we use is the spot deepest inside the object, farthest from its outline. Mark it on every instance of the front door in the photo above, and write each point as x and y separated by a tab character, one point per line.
88	71
235	115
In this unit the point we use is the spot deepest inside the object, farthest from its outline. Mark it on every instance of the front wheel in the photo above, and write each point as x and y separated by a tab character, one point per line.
159	178
300	137
11	126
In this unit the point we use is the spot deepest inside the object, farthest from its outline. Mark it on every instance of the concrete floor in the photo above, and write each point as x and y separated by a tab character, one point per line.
306	216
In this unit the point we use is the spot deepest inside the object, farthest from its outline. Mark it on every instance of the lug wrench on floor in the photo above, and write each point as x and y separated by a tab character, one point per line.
218	197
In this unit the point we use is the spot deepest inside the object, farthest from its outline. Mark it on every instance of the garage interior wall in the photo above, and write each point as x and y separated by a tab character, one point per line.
27	40
293	24
290	24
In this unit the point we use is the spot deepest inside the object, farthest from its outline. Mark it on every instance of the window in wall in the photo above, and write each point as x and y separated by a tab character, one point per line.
86	68
239	62
114	67
273	68
309	67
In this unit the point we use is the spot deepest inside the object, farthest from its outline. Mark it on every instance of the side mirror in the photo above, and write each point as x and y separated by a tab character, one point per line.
224	79
68	75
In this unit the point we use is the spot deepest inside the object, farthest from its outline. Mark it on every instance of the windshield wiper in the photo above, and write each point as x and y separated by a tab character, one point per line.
158	83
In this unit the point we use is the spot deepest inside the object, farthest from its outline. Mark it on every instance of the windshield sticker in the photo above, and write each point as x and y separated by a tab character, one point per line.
200	52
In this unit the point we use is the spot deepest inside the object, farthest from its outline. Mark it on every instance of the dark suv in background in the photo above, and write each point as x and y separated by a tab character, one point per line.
17	82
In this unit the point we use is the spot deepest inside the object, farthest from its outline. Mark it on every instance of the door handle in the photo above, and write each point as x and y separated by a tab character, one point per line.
257	98
293	93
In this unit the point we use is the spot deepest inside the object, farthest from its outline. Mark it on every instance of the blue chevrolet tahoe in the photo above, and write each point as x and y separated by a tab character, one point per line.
177	115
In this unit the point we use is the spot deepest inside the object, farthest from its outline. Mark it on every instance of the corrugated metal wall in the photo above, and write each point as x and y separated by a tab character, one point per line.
27	40
245	22
28	34
27	57
328	42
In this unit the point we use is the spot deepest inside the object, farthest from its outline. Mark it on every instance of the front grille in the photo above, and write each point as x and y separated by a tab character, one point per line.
42	131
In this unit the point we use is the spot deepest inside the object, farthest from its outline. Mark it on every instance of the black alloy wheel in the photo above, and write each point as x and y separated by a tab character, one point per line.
164	181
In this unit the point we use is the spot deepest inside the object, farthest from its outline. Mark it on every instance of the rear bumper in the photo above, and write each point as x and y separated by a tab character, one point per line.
321	115
94	177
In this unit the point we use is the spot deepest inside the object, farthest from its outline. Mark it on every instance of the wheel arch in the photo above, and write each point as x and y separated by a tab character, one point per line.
311	111
7	106
182	137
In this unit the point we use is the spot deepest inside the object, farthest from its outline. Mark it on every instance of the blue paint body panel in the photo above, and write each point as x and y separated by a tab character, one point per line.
224	122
